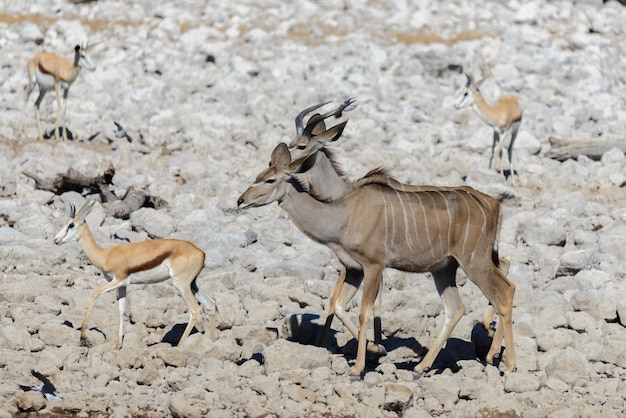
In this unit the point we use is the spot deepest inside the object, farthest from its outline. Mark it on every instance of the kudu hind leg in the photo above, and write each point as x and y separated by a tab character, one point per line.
500	292
445	282
487	320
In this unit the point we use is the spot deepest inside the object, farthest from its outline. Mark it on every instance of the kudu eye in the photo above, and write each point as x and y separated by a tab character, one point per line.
270	181
301	147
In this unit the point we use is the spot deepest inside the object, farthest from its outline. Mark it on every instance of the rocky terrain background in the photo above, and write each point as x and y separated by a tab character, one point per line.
206	90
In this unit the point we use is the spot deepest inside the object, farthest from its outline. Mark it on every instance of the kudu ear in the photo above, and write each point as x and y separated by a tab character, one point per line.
280	156
304	164
332	134
319	128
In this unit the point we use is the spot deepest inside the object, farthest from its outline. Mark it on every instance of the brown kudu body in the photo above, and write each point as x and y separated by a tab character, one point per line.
377	226
325	181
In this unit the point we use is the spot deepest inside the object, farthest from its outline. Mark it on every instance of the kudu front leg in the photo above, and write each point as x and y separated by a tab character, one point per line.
343	292
372	284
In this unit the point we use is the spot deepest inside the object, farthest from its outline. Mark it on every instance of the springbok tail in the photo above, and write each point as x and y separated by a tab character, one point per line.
208	304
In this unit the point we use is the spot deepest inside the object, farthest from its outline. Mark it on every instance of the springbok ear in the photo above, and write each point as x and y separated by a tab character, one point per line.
478	84
468	80
85	210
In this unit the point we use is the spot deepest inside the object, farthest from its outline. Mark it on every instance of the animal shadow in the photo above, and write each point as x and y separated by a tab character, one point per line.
305	329
173	336
50	134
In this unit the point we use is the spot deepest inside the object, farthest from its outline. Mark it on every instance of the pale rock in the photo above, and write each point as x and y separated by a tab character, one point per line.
568	365
398	398
285	355
521	382
158	224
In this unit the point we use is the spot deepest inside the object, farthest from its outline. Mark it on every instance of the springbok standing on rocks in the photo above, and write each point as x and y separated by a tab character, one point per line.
51	71
146	262
377	226
504	118
325	181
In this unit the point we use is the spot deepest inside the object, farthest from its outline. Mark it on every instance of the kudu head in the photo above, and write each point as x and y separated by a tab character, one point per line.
466	97
271	184
313	136
69	232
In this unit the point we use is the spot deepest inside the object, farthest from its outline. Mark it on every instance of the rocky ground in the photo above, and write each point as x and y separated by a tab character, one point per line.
206	90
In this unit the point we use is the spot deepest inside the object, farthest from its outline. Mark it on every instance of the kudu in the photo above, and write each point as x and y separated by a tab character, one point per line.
325	181
377	226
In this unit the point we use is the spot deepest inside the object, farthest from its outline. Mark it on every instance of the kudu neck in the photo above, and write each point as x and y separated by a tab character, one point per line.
321	221
325	182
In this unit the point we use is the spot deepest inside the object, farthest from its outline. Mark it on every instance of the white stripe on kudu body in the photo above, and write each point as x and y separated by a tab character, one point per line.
361	235
325	181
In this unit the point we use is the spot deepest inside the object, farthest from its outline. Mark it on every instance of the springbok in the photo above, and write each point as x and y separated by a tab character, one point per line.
146	262
504	118
377	226
51	71
325	181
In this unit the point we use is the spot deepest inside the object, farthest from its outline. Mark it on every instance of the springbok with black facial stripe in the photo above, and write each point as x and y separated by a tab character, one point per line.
377	226
145	262
325	181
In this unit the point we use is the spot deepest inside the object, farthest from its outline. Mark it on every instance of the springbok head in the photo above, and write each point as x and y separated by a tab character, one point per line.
75	221
466	97
82	58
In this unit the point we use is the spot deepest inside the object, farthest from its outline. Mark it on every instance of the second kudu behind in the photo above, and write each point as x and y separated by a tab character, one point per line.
377	226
